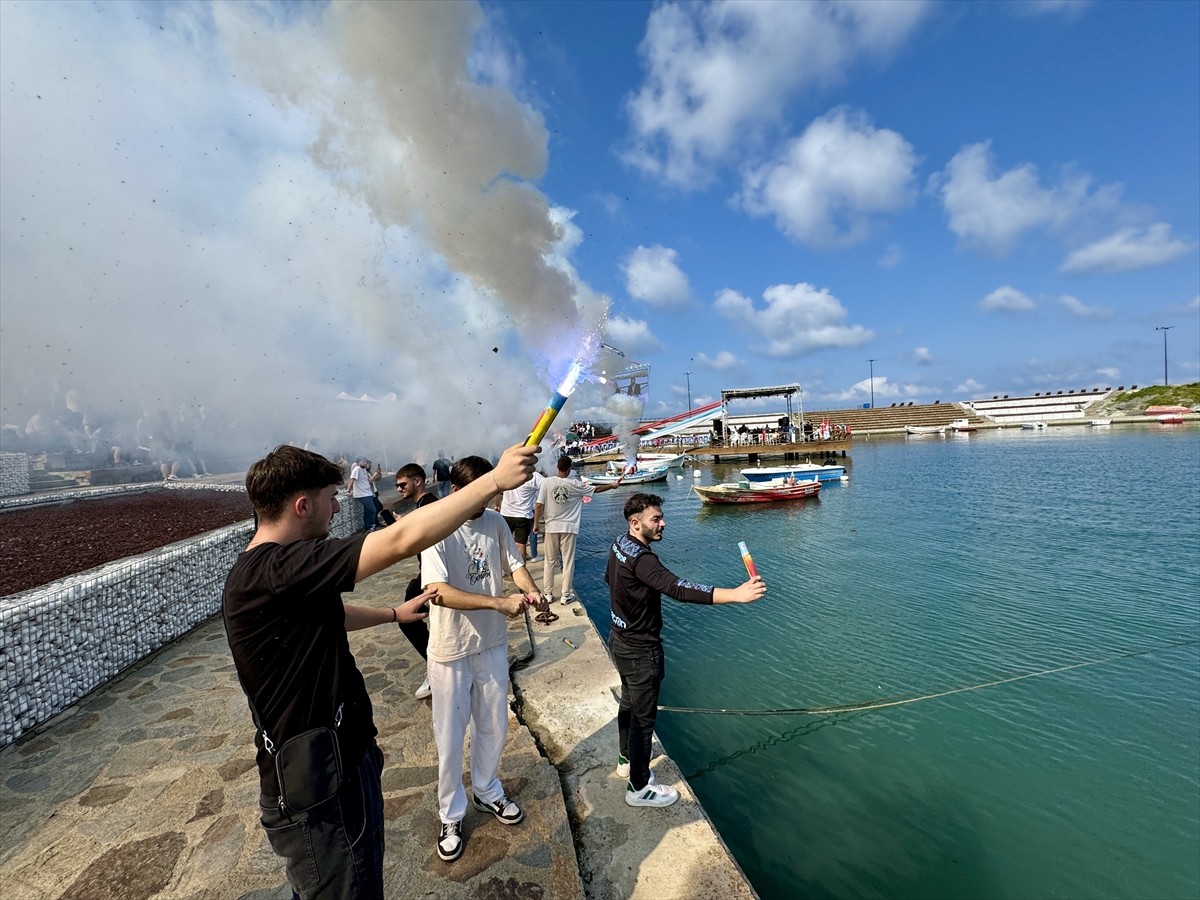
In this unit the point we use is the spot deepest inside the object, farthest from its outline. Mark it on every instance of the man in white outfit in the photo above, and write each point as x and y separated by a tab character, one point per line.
557	513
468	657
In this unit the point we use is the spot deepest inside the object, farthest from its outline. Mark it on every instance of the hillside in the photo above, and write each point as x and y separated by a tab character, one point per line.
1134	403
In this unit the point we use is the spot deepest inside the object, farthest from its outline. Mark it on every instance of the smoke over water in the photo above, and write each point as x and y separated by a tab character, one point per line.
224	217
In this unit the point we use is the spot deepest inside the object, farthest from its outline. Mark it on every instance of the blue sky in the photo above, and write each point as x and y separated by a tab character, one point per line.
254	208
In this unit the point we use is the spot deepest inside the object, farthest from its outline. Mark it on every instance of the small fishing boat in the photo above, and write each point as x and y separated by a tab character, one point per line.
799	472
925	429
962	426
1100	423
1033	426
648	461
1170	419
641	476
757	492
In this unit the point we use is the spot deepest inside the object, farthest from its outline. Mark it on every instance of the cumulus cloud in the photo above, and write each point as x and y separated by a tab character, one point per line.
922	356
797	319
825	185
991	212
1006	299
884	390
1110	373
724	361
633	336
262	221
969	387
652	274
1128	248
1078	308
718	74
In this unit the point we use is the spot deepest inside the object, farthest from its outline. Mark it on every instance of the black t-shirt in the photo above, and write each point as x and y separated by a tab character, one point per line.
636	582
441	469
286	627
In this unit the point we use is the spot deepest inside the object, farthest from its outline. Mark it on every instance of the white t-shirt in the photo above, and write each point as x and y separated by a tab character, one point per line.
475	558
562	504
518	503
362	482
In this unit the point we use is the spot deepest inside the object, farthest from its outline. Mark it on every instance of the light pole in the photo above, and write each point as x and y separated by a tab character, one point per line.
689	381
1164	329
872	362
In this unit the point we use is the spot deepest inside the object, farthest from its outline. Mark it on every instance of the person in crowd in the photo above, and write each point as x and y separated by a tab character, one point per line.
517	508
441	474
287	630
468	655
410	485
556	514
362	489
636	582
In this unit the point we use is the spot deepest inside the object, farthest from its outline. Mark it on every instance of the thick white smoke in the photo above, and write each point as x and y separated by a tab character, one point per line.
231	214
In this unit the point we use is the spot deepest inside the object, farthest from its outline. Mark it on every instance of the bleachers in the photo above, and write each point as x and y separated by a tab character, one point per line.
1051	406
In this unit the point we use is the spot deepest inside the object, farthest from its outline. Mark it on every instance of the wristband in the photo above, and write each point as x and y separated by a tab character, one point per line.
496	483
393	615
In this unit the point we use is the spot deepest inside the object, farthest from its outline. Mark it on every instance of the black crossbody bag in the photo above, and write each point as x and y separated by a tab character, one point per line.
307	765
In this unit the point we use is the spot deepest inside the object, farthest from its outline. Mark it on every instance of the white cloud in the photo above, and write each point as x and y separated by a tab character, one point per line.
797	319
825	185
891	257
922	356
652	274
969	387
1109	373
884	390
991	213
1128	248
1006	299
633	336
718	74
724	361
1080	309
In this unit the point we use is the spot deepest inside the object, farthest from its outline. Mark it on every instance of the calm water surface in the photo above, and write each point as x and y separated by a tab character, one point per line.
948	563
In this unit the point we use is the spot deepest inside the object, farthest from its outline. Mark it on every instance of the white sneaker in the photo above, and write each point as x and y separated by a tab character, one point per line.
568	598
424	690
651	795
450	842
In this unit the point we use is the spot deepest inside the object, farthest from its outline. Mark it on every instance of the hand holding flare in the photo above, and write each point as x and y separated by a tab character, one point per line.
750	569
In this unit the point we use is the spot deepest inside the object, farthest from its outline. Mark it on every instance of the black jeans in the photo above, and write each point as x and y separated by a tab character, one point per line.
641	670
334	850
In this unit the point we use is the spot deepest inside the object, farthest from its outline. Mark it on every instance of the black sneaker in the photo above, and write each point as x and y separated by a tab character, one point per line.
503	809
450	842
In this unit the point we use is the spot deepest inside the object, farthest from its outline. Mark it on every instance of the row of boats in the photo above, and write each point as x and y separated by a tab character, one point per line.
758	484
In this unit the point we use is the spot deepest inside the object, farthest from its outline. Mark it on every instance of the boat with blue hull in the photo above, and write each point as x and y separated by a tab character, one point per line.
799	472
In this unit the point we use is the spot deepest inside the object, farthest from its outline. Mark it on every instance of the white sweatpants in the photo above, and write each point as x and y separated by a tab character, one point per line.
473	689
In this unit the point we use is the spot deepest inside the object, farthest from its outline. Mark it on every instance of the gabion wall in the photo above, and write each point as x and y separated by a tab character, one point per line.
14	474
61	641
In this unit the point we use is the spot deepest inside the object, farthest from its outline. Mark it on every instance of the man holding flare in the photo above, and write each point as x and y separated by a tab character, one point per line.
636	582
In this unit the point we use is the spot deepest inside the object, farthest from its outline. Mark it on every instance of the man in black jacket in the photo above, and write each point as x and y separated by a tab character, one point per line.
636	582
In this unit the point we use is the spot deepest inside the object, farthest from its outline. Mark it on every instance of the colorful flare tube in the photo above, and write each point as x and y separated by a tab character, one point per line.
750	569
546	419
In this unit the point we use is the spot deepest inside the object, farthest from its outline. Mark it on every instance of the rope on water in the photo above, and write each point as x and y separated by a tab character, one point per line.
884	703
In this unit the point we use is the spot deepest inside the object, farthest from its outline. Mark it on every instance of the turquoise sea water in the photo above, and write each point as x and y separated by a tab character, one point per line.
946	563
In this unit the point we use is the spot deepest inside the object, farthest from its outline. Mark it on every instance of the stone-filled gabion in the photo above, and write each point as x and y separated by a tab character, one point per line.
62	641
14	474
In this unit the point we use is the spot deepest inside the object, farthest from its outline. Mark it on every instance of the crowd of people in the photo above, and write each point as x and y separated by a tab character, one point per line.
320	768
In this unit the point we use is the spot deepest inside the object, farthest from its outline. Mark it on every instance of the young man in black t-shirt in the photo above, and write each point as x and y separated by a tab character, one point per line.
287	625
410	485
636	582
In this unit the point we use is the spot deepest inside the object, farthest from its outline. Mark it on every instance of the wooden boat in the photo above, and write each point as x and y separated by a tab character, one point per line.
962	426
757	492
1033	426
798	472
1100	423
641	476
925	429
1170	419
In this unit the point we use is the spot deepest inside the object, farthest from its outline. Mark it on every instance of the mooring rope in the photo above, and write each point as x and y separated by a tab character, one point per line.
884	703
